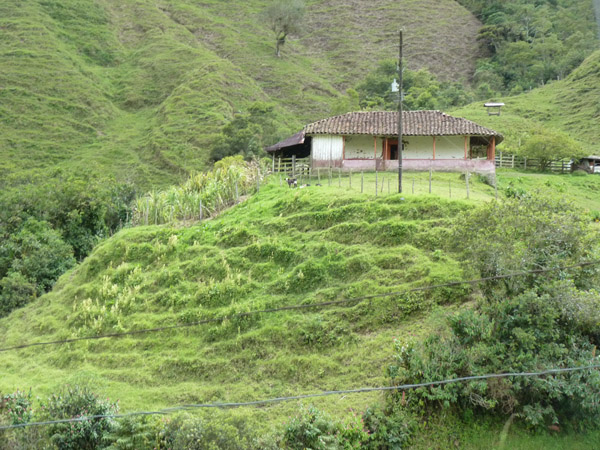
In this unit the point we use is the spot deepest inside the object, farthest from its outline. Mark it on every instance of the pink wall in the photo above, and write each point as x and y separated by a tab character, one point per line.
442	165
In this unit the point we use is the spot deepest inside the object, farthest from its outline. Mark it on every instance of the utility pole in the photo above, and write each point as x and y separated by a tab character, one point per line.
400	146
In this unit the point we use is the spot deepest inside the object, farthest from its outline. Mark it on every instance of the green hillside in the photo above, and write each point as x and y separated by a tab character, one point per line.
570	105
139	90
281	247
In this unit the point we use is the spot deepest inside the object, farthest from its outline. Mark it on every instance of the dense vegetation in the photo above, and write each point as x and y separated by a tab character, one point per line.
532	43
102	101
46	227
284	247
567	106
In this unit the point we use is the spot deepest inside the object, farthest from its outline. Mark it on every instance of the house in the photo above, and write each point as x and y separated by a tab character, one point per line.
590	164
367	140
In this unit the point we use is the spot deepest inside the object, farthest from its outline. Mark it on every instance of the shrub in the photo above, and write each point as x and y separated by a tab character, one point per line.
133	433
528	333
313	429
579	173
31	260
525	234
75	402
184	432
17	409
387	430
15	291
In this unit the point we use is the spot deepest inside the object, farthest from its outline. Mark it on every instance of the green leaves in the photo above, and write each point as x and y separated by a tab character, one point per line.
30	262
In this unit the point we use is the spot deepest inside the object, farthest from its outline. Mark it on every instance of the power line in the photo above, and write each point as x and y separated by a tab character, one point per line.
302	397
298	307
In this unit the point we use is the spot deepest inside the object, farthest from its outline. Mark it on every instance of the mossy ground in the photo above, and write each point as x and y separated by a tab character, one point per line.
280	247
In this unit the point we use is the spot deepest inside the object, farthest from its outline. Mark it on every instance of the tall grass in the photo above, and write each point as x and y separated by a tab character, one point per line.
203	194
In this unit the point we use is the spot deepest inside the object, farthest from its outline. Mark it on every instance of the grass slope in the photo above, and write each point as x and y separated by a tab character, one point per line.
280	247
138	89
570	105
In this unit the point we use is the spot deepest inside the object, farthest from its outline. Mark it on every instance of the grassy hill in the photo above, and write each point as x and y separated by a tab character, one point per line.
280	247
139	89
570	105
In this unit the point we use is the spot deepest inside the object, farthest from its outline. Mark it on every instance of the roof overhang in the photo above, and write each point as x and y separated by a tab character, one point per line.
296	139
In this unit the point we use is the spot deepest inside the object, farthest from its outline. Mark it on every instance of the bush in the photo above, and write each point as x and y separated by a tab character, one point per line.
387	431
313	429
31	260
528	333
133	433
185	432
15	291
17	409
74	402
526	234
579	173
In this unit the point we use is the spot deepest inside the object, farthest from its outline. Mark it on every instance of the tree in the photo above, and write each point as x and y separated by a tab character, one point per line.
552	146
30	262
248	132
284	18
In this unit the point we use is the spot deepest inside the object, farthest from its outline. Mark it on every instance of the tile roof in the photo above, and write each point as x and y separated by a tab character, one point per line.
385	123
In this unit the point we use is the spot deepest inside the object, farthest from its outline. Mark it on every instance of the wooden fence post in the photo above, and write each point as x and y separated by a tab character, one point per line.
329	176
273	169
382	183
279	168
430	176
525	163
501	159
319	175
293	166
467	180
201	210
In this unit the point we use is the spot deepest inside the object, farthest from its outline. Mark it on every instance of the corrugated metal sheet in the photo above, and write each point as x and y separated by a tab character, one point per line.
327	148
296	139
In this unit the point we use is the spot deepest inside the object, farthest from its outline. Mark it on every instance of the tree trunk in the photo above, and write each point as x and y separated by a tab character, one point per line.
279	41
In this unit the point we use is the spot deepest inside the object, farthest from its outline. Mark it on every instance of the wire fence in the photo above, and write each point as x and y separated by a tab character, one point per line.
403	387
451	185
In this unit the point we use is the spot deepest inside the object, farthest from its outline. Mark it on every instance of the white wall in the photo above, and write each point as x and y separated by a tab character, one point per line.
450	147
327	148
331	148
446	147
418	147
363	147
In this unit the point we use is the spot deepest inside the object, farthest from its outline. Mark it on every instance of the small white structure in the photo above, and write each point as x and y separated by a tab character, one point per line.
493	108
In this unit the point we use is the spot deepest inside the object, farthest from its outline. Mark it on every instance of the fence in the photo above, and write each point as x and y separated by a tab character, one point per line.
512	161
443	184
292	166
